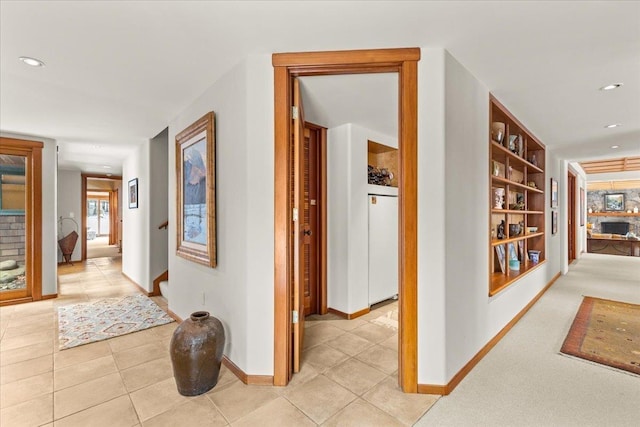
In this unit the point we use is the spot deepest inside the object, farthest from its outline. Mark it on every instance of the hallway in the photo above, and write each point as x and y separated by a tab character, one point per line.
127	381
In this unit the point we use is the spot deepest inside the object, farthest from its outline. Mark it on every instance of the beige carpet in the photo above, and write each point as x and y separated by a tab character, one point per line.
99	248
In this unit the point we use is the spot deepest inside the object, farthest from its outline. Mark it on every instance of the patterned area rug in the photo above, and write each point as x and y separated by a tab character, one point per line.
84	323
606	332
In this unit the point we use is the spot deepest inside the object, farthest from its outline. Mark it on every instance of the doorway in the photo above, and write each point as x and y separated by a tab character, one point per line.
288	232
571	216
21	216
101	217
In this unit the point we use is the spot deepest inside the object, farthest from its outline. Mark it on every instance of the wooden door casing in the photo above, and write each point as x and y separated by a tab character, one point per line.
286	66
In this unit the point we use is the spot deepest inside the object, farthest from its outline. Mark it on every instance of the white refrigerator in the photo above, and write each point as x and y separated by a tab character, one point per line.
383	247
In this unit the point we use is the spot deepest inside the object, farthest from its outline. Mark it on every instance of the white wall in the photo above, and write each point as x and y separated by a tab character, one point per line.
239	291
136	222
70	202
347	215
158	202
456	316
49	211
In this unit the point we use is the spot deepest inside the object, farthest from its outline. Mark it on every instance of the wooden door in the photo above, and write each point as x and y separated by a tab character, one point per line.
21	208
571	214
301	232
311	214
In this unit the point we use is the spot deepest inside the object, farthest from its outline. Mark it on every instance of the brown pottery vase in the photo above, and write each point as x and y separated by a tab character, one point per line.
196	353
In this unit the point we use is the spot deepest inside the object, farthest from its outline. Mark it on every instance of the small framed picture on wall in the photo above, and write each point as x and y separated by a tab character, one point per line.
554	193
133	193
554	222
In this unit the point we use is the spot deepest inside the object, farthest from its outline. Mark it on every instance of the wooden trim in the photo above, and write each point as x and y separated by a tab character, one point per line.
347	58
451	385
83	219
245	378
50	296
143	290
347	315
15	301
323	221
174	316
286	66
408	228
282	230
156	283
32	151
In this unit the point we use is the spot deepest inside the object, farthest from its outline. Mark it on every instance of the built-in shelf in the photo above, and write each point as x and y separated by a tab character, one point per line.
512	168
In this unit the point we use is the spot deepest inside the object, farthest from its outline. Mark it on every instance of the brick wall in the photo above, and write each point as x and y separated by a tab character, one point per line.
12	238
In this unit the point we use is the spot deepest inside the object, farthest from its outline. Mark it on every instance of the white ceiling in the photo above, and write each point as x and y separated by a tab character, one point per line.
117	72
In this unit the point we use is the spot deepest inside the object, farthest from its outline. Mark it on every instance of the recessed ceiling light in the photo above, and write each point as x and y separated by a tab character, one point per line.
615	146
32	61
613	125
106	167
611	86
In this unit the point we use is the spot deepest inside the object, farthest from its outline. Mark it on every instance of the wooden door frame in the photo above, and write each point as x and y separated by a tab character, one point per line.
571	216
83	197
290	65
32	150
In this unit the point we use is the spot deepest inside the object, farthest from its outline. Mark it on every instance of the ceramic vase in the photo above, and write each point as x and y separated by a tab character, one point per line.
196	353
498	198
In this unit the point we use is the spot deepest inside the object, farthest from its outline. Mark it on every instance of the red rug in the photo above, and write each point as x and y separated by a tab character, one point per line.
606	332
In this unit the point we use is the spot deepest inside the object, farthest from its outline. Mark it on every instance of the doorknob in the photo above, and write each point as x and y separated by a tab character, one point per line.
307	232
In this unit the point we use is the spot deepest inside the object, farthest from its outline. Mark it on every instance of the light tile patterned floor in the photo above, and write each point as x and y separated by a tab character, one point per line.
348	374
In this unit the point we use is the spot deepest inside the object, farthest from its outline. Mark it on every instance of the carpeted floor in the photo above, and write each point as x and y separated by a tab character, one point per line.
606	332
100	248
93	321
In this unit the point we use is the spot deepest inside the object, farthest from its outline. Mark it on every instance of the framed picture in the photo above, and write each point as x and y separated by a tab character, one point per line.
522	256
195	195
554	222
554	193
501	257
582	207
133	193
614	202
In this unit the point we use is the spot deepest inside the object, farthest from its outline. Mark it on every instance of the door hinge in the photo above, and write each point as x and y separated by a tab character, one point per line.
294	316
294	112
295	214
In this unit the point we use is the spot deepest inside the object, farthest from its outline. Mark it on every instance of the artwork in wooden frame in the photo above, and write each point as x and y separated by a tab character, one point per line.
554	193
195	195
582	207
522	255
554	222
133	193
614	202
501	257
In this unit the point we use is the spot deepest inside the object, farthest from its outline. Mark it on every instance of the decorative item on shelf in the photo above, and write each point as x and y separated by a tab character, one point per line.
519	204
533	160
379	176
514	265
196	353
590	210
635	209
514	230
501	234
520	146
532	184
498	198
512	143
497	131
501	257
534	256
532	229
493	233
496	168
510	173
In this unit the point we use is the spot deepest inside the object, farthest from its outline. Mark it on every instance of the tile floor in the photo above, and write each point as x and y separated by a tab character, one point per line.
348	374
